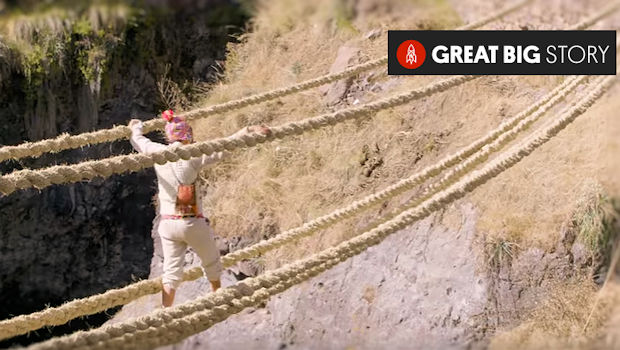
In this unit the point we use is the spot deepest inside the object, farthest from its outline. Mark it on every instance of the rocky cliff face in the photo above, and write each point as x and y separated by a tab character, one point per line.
66	242
402	289
439	282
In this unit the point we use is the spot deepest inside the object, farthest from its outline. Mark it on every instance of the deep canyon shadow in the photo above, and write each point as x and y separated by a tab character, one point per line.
71	241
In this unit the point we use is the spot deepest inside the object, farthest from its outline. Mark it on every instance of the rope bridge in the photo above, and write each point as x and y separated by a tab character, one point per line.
98	303
62	174
60	315
64	142
171	325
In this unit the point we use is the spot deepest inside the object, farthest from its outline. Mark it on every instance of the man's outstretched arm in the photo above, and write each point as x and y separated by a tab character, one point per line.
217	156
140	142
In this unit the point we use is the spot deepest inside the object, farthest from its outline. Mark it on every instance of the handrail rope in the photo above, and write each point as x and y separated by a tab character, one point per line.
171	325
610	274
467	166
23	324
588	22
41	178
479	150
94	304
66	141
61	174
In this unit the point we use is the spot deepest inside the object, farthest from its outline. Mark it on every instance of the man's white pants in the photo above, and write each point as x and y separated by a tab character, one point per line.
176	235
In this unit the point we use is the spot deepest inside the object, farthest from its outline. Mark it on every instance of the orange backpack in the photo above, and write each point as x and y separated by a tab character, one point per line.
186	198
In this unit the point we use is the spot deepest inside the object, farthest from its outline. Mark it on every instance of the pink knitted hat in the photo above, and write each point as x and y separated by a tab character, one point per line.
177	129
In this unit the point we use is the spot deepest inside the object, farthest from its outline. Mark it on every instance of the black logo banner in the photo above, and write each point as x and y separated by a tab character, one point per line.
488	52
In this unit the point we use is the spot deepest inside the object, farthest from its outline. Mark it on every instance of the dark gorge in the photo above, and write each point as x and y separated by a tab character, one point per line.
87	67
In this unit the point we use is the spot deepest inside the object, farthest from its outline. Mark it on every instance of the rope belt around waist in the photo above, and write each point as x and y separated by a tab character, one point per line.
187	216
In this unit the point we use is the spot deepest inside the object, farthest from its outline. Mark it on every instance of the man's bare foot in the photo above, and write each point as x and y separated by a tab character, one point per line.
215	285
167	296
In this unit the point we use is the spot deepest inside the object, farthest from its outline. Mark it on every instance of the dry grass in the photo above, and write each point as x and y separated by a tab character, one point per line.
611	340
170	94
265	190
594	221
278	186
281	185
537	196
273	187
559	321
293	41
294	181
576	311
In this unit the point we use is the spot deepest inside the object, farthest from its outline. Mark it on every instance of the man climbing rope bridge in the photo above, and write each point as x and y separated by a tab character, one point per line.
184	224
180	203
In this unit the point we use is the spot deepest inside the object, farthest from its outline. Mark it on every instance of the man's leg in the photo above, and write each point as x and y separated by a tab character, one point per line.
174	259
167	295
200	238
215	285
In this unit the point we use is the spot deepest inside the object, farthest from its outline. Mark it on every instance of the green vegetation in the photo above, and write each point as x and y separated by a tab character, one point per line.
594	221
344	14
48	40
500	252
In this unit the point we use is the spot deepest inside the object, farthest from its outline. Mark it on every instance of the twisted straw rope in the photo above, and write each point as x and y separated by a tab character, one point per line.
111	298
87	170
172	325
94	304
115	297
61	315
115	165
469	164
66	141
505	132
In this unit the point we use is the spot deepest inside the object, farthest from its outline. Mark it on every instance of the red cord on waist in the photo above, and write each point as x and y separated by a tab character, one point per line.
178	217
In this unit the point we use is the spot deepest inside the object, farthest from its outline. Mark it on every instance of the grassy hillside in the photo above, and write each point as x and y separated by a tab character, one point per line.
274	187
281	185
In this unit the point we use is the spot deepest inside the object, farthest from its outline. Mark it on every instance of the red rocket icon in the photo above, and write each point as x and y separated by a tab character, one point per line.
411	54
411	57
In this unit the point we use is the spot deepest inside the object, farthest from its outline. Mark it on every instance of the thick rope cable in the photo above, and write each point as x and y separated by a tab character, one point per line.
169	326
80	307
98	303
60	315
73	309
88	170
66	141
62	174
588	22
483	154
